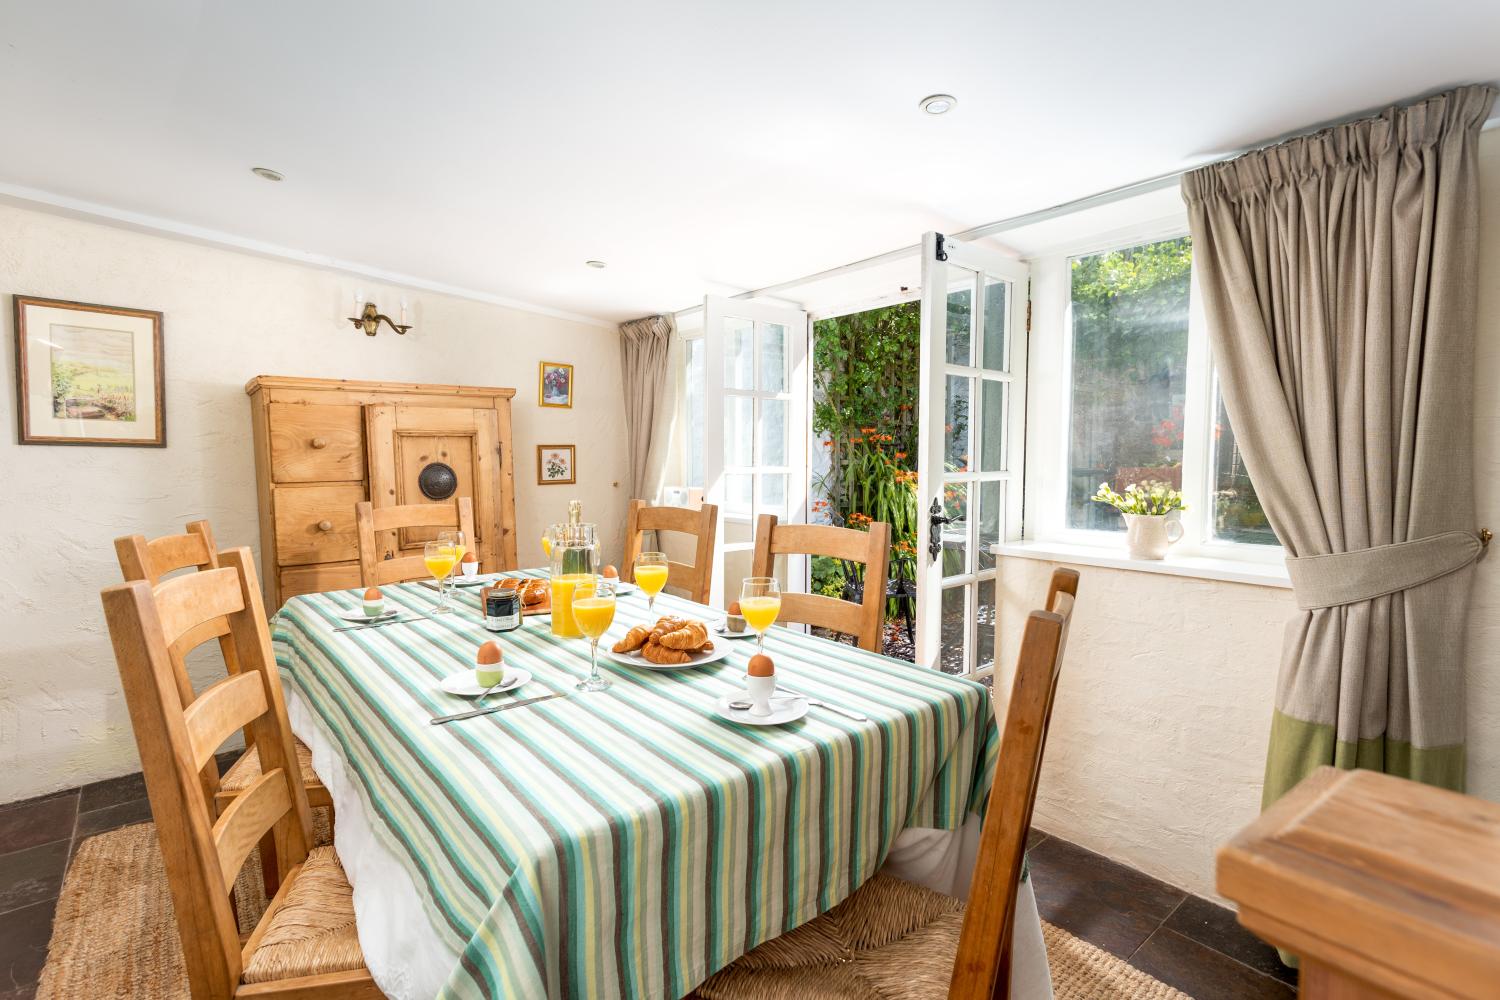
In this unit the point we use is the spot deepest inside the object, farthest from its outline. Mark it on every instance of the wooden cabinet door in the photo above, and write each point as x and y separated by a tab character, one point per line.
405	440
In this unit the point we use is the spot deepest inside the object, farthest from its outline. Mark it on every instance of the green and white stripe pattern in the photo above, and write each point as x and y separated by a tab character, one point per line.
628	843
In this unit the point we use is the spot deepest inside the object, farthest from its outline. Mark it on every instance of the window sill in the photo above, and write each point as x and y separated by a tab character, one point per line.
1202	567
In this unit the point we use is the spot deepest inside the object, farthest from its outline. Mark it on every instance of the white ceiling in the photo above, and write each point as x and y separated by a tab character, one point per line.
695	146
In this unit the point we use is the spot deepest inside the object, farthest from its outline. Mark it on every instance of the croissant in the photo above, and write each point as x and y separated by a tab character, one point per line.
691	635
665	625
655	652
634	639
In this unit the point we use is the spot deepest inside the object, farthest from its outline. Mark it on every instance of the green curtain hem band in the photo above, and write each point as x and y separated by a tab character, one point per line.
1298	747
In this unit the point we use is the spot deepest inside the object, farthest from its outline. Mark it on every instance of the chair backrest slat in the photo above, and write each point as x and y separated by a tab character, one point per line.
378	562
865	620
703	524
224	706
247	819
184	603
200	855
150	560
981	970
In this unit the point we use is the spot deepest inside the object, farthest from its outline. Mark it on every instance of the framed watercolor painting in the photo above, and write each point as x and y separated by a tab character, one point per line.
88	374
554	464
555	384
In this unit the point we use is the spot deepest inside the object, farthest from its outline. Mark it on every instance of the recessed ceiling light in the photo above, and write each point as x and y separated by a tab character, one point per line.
596	263
266	172
938	104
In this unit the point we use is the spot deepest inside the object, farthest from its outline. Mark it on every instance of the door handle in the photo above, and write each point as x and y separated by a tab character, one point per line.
936	520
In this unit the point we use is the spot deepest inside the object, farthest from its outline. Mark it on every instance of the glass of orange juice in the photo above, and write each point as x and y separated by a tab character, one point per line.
440	558
594	611
760	604
651	574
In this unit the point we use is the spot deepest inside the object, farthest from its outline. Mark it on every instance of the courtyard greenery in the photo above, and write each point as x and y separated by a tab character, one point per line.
865	385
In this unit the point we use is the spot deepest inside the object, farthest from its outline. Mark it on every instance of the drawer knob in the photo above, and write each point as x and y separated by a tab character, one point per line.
320	442
325	525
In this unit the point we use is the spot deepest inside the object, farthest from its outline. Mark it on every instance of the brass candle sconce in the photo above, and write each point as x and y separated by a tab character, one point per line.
370	318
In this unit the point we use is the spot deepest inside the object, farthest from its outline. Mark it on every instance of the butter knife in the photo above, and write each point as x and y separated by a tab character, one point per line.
393	621
440	720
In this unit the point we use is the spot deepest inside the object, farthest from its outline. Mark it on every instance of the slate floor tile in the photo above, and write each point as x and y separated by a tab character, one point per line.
1216	927
32	875
1199	971
37	821
1101	901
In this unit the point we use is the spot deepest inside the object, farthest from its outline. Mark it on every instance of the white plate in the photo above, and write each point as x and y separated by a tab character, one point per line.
637	660
622	588
359	615
464	682
784	708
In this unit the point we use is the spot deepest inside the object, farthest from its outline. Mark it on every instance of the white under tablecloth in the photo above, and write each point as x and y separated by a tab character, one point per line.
409	961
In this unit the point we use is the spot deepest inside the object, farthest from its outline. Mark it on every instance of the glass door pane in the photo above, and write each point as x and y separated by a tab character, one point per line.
968	447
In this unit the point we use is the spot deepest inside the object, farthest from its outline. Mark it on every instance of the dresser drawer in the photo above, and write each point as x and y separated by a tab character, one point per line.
317	579
316	444
315	524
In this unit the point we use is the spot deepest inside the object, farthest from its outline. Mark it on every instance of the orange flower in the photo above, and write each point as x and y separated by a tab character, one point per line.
900	454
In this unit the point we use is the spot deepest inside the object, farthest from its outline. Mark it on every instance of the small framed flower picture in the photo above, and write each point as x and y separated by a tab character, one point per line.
554	464
555	384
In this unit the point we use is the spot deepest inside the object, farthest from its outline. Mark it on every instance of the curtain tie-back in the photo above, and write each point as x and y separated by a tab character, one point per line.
1338	578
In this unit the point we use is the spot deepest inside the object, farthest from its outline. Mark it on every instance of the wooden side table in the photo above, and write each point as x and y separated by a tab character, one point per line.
1383	887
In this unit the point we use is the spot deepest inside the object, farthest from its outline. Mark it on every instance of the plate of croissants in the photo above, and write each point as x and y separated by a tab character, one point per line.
670	644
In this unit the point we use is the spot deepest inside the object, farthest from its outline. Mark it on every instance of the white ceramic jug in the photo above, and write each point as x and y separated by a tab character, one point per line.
1148	535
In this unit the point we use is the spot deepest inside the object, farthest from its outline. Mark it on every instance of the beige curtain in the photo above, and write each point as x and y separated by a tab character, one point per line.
644	347
1340	279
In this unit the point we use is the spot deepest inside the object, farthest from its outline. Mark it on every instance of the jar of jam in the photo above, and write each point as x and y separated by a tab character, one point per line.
502	609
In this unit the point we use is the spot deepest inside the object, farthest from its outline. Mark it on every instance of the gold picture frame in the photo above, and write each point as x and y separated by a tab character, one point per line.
554	384
556	464
89	374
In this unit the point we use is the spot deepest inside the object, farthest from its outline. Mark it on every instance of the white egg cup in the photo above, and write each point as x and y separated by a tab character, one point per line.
759	691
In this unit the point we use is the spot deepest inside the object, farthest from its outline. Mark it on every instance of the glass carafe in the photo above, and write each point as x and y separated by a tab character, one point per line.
575	560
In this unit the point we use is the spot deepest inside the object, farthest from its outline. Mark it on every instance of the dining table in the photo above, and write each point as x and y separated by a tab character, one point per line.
633	841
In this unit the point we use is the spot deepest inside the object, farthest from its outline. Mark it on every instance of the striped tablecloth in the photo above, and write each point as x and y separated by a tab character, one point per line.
627	843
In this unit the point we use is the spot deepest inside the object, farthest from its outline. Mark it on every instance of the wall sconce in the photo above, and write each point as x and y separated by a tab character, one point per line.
370	317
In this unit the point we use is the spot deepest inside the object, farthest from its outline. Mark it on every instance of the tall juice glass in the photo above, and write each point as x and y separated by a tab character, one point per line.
651	571
440	560
760	604
594	612
575	561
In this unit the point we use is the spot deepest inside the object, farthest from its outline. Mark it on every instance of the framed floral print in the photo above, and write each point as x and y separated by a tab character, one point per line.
555	384
89	374
554	464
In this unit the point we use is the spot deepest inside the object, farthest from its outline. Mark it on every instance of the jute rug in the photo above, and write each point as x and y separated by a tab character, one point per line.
114	934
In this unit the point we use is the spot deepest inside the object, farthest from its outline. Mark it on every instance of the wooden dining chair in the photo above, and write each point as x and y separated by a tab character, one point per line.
702	524
306	945
152	559
891	938
378	562
864	621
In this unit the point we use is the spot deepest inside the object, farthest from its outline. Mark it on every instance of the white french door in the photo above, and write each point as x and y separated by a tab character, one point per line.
754	429
969	447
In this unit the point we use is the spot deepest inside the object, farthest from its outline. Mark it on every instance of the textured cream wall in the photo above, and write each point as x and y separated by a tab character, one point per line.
1159	735
229	316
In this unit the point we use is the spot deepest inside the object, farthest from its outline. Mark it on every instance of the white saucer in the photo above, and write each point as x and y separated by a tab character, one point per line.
784	708
358	615
477	580
723	630
635	659
622	588
464	682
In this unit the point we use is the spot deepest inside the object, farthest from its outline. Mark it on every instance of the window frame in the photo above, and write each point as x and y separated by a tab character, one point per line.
1048	466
